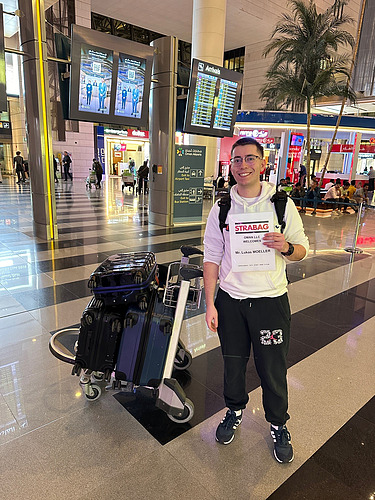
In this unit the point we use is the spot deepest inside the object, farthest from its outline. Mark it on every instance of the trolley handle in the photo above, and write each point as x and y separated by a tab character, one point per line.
187	251
188	273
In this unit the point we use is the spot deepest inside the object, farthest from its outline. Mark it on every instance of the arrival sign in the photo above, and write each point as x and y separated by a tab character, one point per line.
188	183
246	235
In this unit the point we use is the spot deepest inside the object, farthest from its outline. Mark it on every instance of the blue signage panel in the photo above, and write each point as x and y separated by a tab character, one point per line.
188	183
99	145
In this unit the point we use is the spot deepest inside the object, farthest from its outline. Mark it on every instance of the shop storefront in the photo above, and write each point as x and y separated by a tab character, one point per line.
121	145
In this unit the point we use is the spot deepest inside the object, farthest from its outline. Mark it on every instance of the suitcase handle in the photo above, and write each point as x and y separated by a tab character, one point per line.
187	251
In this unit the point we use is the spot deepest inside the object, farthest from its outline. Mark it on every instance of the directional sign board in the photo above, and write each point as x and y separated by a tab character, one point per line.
188	183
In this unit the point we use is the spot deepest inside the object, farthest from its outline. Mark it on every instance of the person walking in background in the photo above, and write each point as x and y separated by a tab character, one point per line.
371	179
302	174
143	176
98	169
18	165
1	175
55	168
67	161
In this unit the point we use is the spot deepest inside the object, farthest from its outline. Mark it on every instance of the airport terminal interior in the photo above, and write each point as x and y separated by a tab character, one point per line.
57	444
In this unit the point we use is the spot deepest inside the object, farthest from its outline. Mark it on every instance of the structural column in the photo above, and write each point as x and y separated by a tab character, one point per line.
208	34
163	98
38	117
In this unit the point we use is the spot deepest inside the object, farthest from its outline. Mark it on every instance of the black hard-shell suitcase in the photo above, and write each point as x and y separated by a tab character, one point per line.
124	278
144	343
98	338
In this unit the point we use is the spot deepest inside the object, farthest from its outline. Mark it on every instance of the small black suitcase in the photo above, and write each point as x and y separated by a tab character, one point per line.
125	278
98	339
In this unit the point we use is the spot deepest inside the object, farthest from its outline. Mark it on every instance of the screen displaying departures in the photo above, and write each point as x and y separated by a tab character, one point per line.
213	99
110	78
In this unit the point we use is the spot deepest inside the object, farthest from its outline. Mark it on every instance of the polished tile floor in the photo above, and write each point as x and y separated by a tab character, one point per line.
54	444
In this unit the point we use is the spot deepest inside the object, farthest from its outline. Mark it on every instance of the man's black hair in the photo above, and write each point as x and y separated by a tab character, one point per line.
244	141
352	183
338	181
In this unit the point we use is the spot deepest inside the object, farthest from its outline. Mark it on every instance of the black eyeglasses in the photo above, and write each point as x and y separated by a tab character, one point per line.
248	159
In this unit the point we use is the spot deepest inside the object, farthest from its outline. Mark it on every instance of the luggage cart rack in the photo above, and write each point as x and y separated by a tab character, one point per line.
191	273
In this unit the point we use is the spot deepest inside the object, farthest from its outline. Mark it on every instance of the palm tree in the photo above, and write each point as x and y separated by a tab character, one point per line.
306	65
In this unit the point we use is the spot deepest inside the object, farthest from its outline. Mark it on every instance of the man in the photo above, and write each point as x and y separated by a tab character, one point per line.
66	163
302	174
251	307
18	165
98	169
135	99
333	195
88	93
55	168
124	95
312	195
102	94
371	179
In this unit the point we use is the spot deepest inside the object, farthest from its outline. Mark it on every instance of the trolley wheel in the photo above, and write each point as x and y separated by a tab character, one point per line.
96	393
187	413
182	363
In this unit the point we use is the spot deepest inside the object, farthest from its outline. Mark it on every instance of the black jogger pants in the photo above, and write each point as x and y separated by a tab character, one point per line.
263	323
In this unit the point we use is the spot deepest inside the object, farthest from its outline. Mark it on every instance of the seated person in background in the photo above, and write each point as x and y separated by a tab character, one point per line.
365	194
346	198
312	195
359	195
333	195
284	186
351	190
329	185
338	183
297	193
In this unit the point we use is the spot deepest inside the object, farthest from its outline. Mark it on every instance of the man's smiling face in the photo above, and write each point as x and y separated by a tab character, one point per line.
247	174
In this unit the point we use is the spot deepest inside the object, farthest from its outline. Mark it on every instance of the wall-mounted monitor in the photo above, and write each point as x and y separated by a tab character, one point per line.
110	78
296	140
213	98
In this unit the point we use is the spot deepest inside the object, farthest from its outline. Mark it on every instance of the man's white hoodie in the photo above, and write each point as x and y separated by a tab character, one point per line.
241	285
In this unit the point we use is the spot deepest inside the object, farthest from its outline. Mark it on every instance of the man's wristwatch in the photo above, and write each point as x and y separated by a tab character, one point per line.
289	251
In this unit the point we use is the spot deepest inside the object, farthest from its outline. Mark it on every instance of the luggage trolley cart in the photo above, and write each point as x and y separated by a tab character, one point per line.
183	290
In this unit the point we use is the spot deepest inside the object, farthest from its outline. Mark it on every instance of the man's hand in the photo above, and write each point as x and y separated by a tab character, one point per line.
211	318
276	241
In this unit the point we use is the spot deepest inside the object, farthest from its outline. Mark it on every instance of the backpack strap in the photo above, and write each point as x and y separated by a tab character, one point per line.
224	204
280	199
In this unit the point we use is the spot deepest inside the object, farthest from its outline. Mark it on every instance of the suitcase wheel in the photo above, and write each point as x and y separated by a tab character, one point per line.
107	375
131	320
183	360
116	326
87	319
142	303
76	370
166	327
138	278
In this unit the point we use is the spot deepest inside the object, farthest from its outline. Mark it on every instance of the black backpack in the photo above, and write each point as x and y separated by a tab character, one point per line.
279	199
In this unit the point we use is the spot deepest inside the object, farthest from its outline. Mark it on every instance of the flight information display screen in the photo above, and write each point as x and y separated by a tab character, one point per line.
214	94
